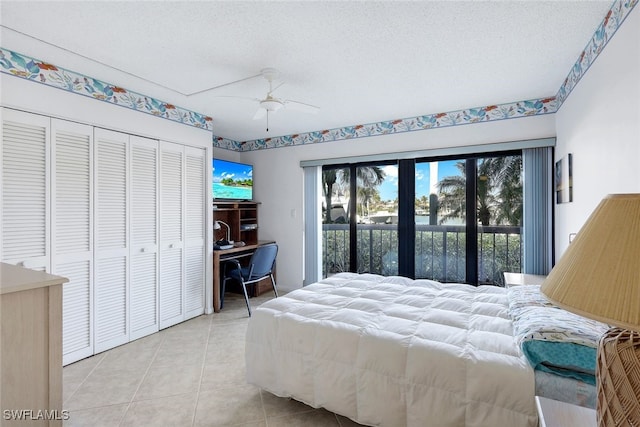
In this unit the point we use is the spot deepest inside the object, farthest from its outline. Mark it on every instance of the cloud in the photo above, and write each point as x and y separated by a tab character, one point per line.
390	171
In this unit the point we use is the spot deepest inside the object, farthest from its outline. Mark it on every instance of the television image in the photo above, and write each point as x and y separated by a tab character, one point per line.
232	181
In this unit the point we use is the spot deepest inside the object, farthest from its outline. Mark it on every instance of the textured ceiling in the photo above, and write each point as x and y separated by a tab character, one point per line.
360	62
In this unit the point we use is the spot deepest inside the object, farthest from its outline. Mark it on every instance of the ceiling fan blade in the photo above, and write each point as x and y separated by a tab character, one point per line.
260	113
276	88
301	106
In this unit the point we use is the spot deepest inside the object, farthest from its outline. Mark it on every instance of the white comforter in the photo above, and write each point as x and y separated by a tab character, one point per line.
391	351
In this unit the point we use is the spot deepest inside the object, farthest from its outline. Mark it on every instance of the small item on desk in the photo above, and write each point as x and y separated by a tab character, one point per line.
222	244
239	244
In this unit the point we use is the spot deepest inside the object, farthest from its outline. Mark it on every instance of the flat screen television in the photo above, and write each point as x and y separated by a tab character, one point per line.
232	181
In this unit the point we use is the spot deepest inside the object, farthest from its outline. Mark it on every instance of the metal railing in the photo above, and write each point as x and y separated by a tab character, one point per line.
439	251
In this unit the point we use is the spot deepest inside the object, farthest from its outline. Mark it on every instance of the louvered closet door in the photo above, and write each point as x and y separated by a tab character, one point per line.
25	188
111	240
143	304
72	233
171	234
194	231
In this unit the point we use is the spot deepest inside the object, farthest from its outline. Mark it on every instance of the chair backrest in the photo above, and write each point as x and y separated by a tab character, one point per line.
262	260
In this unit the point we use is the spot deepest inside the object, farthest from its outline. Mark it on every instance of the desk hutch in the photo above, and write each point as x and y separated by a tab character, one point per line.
242	219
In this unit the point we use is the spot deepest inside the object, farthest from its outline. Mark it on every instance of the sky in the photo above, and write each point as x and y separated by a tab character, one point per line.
236	171
389	188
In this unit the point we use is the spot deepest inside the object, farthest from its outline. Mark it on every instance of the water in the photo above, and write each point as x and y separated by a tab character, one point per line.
221	191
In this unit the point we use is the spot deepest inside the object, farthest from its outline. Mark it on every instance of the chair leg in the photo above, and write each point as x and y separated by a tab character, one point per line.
223	288
273	283
246	297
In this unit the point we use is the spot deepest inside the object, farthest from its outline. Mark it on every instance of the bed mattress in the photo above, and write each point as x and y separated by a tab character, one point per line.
391	351
566	389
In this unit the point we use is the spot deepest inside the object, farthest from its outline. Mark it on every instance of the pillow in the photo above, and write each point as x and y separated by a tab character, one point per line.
554	340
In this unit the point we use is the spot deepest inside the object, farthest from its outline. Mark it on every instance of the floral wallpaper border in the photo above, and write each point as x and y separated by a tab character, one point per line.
431	121
610	24
38	71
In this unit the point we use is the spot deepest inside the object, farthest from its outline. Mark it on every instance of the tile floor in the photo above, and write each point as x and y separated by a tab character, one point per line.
191	374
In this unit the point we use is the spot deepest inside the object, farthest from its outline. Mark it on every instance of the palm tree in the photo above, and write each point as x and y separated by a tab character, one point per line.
510	191
367	177
452	190
499	191
329	177
365	195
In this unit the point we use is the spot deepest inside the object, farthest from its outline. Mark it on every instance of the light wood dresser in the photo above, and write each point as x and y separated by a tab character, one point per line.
30	347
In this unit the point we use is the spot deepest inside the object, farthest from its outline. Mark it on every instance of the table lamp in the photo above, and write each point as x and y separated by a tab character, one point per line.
216	226
599	277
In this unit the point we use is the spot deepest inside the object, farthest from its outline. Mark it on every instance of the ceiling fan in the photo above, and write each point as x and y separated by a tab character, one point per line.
270	103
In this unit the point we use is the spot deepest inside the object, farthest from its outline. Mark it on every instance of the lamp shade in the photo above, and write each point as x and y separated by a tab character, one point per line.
599	274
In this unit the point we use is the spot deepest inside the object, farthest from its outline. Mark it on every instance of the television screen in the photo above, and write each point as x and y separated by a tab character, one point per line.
232	180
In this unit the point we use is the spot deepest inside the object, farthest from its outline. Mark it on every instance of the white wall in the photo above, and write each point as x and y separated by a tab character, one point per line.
278	177
600	124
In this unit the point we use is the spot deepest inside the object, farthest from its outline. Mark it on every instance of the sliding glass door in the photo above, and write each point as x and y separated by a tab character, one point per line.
446	219
440	220
499	210
360	219
336	233
377	219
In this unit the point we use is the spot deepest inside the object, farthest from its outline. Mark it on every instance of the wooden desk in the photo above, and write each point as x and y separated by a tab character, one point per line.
223	255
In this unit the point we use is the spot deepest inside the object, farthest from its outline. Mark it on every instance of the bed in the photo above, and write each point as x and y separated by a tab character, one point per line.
391	351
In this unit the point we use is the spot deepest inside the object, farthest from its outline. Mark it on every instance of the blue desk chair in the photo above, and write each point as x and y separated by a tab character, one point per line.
260	267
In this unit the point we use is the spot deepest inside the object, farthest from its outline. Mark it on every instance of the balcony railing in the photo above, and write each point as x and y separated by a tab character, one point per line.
439	251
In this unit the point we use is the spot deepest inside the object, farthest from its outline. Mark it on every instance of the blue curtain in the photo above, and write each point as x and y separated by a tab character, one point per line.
538	203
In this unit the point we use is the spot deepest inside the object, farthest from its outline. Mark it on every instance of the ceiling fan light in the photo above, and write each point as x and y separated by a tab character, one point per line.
271	104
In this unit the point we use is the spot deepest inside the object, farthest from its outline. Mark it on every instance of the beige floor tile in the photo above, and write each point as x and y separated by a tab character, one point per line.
105	388
275	406
75	374
196	327
229	407
346	422
176	353
162	382
255	424
129	357
167	411
223	372
313	418
105	416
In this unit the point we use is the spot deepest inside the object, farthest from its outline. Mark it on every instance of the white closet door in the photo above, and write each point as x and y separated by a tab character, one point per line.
72	233
111	317
144	237
194	231
25	188
171	234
